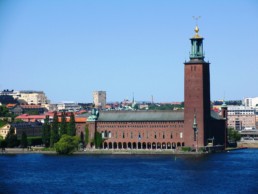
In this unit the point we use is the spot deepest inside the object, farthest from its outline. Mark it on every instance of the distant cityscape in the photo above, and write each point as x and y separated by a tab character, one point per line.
242	114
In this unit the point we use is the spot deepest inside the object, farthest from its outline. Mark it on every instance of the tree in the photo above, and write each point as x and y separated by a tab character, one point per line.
82	138
63	127
4	112
3	144
7	99
54	137
233	135
98	139
11	138
71	127
67	144
24	141
86	135
46	132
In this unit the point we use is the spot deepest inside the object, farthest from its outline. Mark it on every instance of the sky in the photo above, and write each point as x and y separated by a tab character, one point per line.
70	48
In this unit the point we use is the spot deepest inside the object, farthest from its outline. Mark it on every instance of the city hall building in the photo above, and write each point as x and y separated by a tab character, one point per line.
196	126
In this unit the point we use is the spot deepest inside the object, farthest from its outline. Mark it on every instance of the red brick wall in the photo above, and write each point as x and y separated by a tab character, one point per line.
197	101
152	132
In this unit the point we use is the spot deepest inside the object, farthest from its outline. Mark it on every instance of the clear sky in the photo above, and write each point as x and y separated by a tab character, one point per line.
69	48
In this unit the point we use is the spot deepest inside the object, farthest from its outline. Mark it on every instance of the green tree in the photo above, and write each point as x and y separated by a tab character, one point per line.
86	137
32	112
233	135
71	127
63	127
11	138
46	132
54	137
3	144
67	144
98	139
24	141
4	112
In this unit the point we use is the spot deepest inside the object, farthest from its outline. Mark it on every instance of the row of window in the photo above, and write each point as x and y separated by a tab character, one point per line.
128	123
140	126
139	135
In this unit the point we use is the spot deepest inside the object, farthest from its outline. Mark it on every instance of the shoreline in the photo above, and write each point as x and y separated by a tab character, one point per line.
9	151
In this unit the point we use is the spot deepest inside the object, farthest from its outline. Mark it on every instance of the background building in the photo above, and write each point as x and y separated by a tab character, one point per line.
28	96
33	97
251	102
241	117
99	99
68	106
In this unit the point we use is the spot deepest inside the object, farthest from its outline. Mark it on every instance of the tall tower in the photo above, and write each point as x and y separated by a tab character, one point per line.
196	95
99	99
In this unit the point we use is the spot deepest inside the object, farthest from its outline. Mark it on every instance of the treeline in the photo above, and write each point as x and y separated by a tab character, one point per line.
166	106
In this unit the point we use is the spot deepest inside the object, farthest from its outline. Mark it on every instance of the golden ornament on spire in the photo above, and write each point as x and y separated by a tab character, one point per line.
196	29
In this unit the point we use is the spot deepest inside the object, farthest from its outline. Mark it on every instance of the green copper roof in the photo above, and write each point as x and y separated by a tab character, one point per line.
141	116
116	116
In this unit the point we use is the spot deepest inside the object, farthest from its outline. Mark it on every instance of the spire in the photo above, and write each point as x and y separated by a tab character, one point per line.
196	45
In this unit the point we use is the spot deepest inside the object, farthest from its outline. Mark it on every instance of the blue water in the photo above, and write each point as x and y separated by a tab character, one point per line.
231	172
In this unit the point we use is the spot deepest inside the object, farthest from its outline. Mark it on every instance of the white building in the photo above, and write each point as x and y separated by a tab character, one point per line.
69	106
99	99
250	102
14	94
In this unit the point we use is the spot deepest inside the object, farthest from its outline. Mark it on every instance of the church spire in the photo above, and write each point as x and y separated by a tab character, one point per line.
196	46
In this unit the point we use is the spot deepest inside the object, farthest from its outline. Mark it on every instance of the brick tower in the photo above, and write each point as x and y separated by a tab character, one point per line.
196	95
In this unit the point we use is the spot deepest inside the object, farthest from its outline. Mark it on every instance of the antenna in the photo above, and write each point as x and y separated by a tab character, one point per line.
196	18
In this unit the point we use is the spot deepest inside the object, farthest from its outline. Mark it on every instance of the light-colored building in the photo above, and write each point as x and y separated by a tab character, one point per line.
29	96
99	99
68	106
4	130
14	94
241	117
250	102
33	97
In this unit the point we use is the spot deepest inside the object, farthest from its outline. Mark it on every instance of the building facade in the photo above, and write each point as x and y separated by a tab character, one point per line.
194	127
99	99
68	106
241	117
4	130
33	97
251	102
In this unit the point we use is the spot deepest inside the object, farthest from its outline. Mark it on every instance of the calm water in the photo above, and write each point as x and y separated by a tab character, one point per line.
231	172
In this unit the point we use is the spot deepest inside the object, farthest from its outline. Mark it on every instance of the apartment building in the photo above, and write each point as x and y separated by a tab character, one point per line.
241	117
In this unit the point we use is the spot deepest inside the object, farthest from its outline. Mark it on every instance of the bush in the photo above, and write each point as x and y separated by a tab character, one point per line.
33	141
186	149
67	144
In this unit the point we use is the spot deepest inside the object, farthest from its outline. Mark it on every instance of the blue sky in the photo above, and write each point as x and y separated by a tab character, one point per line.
69	48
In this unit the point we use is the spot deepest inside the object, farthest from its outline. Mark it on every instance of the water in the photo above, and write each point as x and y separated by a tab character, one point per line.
231	172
